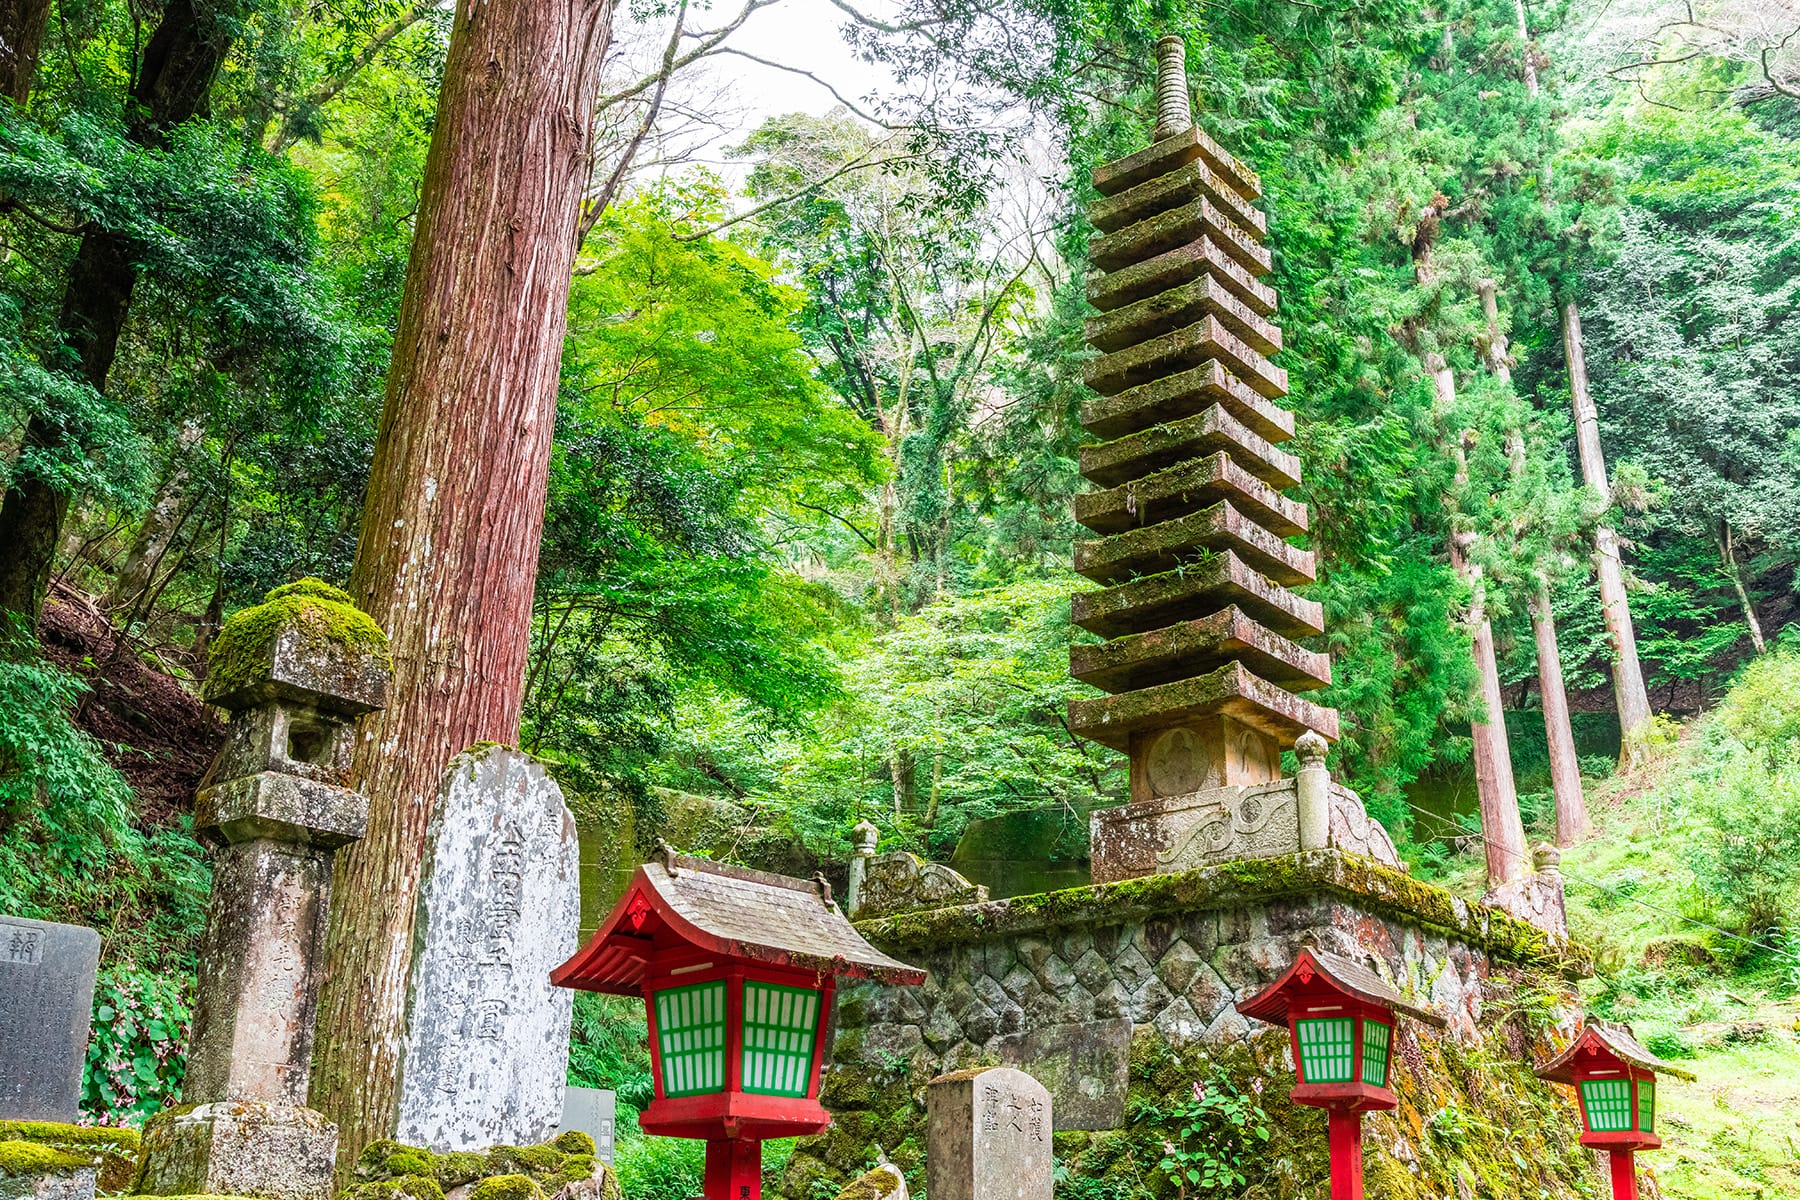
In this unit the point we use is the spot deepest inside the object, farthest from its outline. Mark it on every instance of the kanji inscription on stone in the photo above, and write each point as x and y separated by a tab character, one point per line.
46	995
988	1136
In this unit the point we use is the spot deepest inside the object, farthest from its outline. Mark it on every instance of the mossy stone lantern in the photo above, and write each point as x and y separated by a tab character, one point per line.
1342	1019
737	969
1614	1078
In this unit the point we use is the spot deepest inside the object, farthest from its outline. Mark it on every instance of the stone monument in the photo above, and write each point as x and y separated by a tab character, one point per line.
1203	676
988	1136
46	995
592	1111
293	673
487	1035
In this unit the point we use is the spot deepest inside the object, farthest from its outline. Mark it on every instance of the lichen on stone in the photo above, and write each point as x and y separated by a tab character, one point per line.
320	612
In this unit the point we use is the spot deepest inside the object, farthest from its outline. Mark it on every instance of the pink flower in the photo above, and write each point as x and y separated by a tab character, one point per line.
1198	1094
1256	1085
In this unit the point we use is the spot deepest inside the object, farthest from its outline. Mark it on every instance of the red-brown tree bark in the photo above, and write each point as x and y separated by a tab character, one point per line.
1572	824
449	544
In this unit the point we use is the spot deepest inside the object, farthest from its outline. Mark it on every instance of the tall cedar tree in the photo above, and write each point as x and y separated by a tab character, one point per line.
181	61
449	544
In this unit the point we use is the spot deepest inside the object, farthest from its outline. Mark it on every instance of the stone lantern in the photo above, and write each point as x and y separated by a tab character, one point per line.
1614	1078
737	969
1341	1018
293	673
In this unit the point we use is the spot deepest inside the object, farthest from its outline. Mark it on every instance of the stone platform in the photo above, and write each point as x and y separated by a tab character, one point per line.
1088	989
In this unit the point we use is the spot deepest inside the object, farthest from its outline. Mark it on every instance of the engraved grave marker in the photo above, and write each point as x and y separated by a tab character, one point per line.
46	994
988	1136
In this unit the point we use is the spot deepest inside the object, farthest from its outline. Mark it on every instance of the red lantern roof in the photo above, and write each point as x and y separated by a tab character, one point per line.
677	904
1315	973
1604	1044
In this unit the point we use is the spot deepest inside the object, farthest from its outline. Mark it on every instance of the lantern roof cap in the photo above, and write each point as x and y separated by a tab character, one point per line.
731	911
1311	967
1603	1038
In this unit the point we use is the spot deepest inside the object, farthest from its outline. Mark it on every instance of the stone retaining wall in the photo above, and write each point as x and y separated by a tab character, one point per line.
1085	988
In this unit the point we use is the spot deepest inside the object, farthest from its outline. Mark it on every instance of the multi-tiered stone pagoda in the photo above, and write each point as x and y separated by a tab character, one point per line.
1199	659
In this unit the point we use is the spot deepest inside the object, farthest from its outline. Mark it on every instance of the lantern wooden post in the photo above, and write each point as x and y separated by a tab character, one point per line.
737	970
1342	1021
1614	1078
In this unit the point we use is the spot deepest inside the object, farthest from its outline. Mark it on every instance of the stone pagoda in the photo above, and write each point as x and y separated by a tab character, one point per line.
1192	554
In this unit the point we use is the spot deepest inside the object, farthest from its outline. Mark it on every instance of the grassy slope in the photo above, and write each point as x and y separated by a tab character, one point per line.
1723	1007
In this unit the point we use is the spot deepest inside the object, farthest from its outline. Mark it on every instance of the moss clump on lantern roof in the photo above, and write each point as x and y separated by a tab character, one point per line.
317	611
1367	883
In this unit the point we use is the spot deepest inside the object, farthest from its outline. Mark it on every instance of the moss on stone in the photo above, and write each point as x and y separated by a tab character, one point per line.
460	1166
540	1159
574	1141
507	1187
410	1187
409	1160
55	1133
876	1185
321	613
34	1158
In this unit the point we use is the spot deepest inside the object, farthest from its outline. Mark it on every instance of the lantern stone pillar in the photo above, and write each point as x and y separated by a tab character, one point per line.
864	837
293	673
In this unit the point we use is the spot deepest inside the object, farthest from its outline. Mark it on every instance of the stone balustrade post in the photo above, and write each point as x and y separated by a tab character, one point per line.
1313	792
863	837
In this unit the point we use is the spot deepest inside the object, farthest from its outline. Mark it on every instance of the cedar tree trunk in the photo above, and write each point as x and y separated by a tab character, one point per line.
447	557
1628	676
22	24
1572	823
181	60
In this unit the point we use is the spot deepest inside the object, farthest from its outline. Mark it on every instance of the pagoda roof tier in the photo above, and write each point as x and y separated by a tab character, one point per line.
1198	647
1231	691
1173	397
1159	446
1187	487
1186	182
1181	544
1128	285
1182	305
1177	227
1169	353
1171	152
1156	601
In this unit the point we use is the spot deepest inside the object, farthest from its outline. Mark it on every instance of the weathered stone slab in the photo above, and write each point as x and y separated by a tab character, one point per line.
1188	487
1209	432
1086	1067
1171	152
1158	600
988	1136
901	882
1205	340
1194	648
283	807
1184	183
593	1111
1185	541
1170	399
1172	268
240	1148
46	994
1230	691
1177	227
487	1035
77	1183
1180	306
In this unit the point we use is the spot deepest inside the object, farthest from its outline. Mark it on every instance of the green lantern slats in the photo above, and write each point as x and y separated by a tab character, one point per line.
690	1032
1608	1104
1646	1106
1327	1049
1376	1037
780	1033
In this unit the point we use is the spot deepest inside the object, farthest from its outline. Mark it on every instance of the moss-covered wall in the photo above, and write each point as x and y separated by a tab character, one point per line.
1132	987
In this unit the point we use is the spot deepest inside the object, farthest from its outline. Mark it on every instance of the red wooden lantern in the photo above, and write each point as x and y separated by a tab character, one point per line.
1615	1080
1342	1019
737	968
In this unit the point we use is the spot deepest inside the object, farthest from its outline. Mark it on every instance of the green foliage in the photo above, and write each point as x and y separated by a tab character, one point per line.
655	1168
610	1047
1214	1137
137	1052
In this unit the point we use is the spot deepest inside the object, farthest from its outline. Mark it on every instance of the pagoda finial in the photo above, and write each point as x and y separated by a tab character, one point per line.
1174	111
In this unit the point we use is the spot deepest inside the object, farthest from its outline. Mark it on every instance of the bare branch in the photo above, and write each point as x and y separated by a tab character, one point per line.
605	198
709	44
837	95
860	164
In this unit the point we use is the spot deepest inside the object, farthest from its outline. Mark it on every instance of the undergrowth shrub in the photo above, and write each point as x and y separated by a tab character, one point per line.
137	1054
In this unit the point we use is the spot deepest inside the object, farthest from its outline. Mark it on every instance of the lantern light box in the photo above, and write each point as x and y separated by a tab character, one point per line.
1614	1078
737	969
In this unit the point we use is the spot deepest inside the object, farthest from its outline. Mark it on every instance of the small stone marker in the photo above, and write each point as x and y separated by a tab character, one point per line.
46	993
593	1112
487	1041
988	1136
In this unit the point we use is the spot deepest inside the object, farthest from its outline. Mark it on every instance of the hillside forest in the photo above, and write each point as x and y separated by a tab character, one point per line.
786	539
